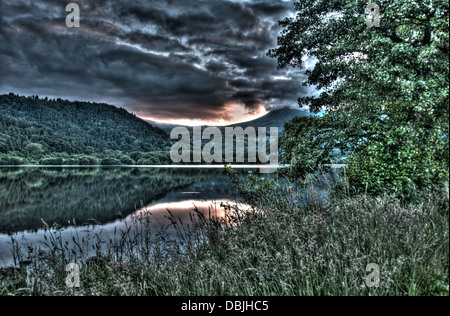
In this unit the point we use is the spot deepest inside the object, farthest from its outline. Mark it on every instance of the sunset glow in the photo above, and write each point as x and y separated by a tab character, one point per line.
234	112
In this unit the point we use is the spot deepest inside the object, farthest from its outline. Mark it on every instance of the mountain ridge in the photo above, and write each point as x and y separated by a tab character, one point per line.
275	118
92	126
62	132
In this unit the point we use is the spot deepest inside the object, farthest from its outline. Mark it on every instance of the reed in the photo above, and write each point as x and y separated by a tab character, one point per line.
280	246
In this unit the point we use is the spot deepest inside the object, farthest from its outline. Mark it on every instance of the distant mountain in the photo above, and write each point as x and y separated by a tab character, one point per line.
276	118
55	126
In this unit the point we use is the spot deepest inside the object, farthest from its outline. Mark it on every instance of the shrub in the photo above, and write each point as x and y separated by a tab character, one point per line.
88	161
12	161
51	161
126	160
110	162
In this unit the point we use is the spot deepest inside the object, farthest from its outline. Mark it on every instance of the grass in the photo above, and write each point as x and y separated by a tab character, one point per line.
283	246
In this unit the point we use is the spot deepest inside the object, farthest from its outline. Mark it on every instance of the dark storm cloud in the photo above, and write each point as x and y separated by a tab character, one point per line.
163	59
154	42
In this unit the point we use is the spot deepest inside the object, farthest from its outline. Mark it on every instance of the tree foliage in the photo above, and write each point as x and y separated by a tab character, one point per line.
384	89
53	132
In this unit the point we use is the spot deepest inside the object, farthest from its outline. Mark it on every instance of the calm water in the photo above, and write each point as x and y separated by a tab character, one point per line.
106	197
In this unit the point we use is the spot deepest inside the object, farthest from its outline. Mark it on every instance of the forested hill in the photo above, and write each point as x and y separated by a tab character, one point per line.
74	127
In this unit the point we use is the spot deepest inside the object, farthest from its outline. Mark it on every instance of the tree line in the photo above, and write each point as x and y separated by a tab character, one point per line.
61	132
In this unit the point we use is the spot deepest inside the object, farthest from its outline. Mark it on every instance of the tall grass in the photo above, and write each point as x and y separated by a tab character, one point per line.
291	242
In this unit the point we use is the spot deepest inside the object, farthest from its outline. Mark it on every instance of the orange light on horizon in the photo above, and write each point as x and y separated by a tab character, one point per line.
236	112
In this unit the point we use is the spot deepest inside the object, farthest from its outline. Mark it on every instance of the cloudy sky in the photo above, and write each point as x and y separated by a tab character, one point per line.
164	59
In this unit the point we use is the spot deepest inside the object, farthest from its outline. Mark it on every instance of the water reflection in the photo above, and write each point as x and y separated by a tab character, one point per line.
151	220
183	210
104	201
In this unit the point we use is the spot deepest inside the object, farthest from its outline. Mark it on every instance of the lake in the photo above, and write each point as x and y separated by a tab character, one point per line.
103	199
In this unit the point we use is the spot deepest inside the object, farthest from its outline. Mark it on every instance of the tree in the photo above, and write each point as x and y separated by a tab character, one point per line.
51	161
34	149
126	160
110	162
384	89
11	160
88	161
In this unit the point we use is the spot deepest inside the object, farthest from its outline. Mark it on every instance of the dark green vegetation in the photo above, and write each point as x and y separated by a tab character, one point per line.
385	90
277	248
56	132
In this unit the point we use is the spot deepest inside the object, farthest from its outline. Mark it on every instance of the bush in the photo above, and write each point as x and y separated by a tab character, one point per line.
110	162
149	159
51	161
12	161
163	157
88	161
126	160
136	155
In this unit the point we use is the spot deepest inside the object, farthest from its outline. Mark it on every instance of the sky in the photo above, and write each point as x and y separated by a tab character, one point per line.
166	60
